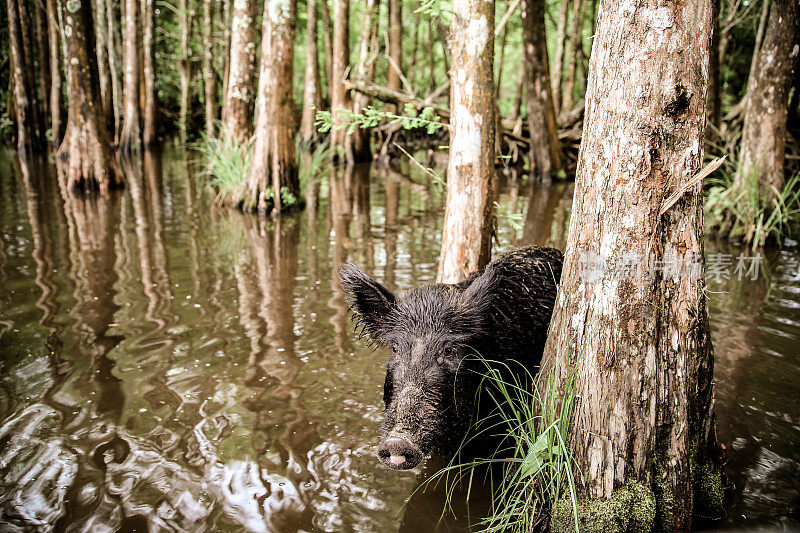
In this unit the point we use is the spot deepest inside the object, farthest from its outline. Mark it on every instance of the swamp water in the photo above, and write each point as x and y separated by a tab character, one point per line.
167	365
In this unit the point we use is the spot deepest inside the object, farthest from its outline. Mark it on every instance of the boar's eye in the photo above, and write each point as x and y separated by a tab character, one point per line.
394	349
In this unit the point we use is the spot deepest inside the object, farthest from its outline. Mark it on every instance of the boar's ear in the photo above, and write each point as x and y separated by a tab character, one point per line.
478	297
371	301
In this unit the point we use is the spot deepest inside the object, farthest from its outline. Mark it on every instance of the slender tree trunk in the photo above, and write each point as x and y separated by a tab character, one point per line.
763	147
209	77
714	105
630	327
468	219
55	96
358	142
85	158
395	51
114	40
499	80
312	93
227	14
185	27
431	58
237	110
556	69
273	164
131	136
327	42
23	89
101	45
340	100
26	24
149	134
43	56
412	67
574	53
545	150
518	92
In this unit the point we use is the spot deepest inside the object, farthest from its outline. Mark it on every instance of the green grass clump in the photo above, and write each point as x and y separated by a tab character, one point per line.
312	162
534	457
226	164
738	211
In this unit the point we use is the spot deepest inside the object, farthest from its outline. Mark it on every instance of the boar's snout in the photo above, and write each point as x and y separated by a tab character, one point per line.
398	453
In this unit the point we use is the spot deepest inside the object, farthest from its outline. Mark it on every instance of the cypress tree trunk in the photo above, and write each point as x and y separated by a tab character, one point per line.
312	92
130	139
149	132
185	27
101	47
209	78
558	57
114	40
763	147
358	142
85	158
43	56
468	218
340	100
636	333
328	44
24	90
273	165
237	109
395	51
545	151
574	53
54	42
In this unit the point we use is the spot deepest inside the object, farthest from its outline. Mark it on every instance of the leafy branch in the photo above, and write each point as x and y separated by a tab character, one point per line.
370	117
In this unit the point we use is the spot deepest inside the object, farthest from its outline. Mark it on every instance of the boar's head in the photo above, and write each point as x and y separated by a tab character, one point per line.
430	384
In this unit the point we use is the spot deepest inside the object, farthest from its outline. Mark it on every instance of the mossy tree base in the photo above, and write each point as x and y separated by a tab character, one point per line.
631	508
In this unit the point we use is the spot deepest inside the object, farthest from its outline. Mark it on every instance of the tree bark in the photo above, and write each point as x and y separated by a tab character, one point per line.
114	40
395	51
55	96
85	159
273	165
209	77
556	69
340	100
574	52
358	142
24	90
237	109
130	139
763	147
545	150
469	213
185	27
636	342
150	133
312	92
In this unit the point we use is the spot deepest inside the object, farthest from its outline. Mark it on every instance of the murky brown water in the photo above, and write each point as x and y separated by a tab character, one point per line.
170	365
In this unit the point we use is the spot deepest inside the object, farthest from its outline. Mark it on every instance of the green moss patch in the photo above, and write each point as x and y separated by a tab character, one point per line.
632	508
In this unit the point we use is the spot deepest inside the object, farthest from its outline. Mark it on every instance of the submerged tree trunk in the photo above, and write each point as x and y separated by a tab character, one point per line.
545	150
85	158
358	142
340	100
273	165
237	109
209	77
149	133
312	93
763	147
185	27
630	328
130	139
468	218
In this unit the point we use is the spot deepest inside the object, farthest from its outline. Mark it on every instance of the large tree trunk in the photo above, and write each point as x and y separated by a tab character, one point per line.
185	27
55	96
636	334
545	150
763	147
130	139
340	100
85	158
237	109
395	51
358	142
209	77
468	218
273	165
24	90
312	92
149	133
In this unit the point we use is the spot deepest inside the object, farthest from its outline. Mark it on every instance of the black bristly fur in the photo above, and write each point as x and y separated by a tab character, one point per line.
501	312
